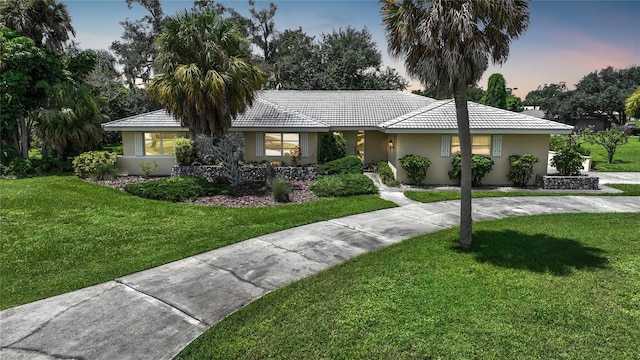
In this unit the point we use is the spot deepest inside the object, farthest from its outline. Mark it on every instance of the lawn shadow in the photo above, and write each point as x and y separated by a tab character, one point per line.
538	253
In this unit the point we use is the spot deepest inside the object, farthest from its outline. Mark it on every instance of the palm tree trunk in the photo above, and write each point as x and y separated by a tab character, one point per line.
462	114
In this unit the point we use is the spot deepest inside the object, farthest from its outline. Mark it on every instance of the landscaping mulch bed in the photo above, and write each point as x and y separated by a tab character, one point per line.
248	195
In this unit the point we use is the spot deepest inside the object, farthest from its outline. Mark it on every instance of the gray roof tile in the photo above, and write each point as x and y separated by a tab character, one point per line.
441	115
324	110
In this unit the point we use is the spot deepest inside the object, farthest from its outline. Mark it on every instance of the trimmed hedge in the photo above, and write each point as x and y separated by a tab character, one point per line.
177	189
347	165
92	163
343	185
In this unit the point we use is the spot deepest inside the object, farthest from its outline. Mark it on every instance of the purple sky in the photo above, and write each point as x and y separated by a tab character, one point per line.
565	40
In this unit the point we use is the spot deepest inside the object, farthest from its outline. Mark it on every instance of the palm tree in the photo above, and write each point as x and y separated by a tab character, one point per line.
45	21
71	119
447	44
204	76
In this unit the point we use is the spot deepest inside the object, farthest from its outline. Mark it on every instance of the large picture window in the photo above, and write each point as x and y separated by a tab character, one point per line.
480	144
160	143
279	144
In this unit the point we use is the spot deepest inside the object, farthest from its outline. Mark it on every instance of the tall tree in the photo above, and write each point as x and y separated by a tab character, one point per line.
136	52
296	62
205	77
496	94
70	120
447	45
46	22
23	66
474	93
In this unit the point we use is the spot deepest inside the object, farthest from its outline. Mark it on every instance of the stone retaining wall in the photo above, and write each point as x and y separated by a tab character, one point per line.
250	173
555	182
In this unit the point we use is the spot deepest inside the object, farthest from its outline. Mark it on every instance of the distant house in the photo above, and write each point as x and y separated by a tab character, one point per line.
379	125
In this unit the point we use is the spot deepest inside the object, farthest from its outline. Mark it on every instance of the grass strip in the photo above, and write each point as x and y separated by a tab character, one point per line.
434	196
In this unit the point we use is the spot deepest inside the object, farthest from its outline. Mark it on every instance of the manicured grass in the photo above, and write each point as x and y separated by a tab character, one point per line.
433	196
541	287
626	158
60	233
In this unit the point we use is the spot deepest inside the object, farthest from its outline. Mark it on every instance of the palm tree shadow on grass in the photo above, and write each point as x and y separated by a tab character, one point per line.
538	253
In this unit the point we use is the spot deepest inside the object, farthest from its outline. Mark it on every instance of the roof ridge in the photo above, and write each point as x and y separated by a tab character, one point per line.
434	105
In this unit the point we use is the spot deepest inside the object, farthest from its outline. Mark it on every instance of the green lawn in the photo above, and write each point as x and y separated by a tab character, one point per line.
60	233
540	287
433	196
626	158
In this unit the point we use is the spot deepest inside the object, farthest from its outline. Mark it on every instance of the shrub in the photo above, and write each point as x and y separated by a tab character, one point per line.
185	151
87	164
281	190
295	154
480	166
558	142
343	185
568	160
521	168
104	172
177	189
416	167
18	167
386	174
148	167
347	165
333	146
51	165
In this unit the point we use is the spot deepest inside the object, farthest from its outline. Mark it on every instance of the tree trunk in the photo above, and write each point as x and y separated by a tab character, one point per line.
23	130
462	115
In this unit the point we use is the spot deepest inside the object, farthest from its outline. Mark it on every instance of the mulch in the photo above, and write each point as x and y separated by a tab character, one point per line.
248	195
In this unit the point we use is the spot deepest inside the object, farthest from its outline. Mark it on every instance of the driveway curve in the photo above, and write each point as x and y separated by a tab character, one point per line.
155	313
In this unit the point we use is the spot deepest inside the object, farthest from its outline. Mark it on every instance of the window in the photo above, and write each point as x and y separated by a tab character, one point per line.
160	143
279	144
480	144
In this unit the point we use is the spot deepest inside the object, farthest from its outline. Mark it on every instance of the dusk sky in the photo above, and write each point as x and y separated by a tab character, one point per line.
565	40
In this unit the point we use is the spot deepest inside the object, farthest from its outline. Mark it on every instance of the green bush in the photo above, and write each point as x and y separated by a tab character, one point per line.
177	189
480	166
18	167
89	163
416	167
185	151
51	165
104	172
386	174
281	190
148	167
559	142
347	165
333	146
568	159
343	185
521	168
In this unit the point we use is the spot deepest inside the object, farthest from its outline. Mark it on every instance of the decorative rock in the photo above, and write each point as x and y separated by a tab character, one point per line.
250	173
557	182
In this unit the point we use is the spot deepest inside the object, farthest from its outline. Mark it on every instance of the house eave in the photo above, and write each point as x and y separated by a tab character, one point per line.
480	131
145	129
279	129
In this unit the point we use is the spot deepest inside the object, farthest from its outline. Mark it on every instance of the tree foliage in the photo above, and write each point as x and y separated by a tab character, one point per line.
496	94
474	93
205	76
46	22
448	45
136	51
632	104
23	65
600	94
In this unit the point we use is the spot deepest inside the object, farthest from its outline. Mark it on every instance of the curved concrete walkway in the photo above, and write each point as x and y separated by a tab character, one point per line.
155	313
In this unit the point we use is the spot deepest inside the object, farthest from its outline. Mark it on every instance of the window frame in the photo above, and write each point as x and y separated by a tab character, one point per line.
283	151
493	149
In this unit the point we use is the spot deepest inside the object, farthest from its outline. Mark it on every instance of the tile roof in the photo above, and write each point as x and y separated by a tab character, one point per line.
386	110
441	116
151	120
347	109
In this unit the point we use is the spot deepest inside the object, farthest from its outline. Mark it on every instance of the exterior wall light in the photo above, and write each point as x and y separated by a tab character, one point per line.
391	144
